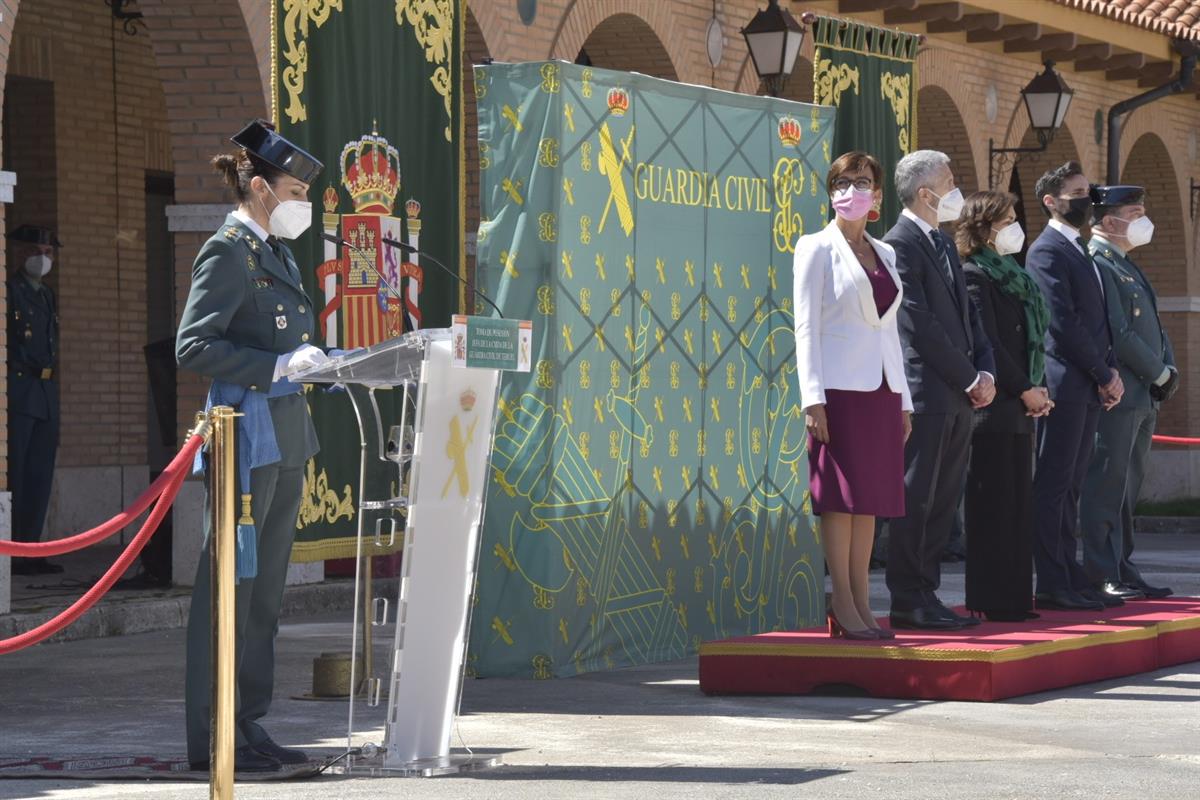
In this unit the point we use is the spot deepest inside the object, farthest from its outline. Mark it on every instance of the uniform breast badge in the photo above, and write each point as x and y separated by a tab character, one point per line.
281	322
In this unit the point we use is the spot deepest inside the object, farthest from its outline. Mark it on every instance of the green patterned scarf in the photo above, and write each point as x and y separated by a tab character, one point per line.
1015	282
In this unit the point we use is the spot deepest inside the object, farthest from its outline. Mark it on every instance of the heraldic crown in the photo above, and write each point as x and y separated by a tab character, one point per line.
789	131
371	173
618	101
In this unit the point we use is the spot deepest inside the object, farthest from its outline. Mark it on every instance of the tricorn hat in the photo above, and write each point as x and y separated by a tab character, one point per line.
35	234
260	139
1111	196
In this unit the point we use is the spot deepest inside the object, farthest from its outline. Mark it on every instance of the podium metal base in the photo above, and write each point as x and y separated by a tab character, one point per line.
452	764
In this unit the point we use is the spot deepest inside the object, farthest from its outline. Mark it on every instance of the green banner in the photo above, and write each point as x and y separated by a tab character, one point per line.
869	75
649	481
374	90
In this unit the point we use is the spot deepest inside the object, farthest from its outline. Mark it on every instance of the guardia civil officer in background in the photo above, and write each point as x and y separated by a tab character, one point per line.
248	324
1147	365
33	411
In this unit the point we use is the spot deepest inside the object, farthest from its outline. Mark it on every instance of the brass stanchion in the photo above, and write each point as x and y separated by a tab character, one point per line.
222	551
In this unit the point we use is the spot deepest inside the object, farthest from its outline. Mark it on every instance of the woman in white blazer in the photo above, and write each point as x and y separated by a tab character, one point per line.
852	387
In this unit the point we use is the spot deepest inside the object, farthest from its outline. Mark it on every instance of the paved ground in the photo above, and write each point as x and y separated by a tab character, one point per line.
644	733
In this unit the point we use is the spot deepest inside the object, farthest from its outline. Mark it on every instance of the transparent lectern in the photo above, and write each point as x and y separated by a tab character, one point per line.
440	448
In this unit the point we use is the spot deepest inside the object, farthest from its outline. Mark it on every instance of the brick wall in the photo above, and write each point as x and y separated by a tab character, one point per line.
940	126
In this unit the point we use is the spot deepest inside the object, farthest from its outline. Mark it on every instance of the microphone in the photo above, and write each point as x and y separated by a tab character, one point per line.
329	237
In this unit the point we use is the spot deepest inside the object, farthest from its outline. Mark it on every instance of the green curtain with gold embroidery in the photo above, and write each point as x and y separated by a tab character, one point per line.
869	74
649	477
374	90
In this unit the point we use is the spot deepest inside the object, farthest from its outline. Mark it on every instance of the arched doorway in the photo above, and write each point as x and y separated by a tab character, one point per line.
110	128
626	42
940	126
1164	260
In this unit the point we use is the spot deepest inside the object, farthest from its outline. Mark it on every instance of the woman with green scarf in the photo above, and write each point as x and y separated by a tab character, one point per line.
999	497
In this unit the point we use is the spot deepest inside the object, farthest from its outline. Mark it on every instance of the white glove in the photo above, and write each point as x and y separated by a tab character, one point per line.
303	357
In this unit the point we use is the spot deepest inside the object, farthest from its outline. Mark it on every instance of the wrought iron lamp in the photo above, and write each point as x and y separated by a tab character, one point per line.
1047	98
774	38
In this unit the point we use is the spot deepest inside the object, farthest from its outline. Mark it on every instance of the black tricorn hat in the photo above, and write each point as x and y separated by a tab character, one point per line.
35	234
260	139
1111	196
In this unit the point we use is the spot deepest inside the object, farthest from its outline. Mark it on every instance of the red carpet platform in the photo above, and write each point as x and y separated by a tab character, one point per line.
990	662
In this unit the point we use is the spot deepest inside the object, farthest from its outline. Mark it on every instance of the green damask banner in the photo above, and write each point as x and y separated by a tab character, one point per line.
374	90
649	476
869	75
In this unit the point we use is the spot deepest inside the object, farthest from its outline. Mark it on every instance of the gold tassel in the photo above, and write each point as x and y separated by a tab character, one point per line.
246	518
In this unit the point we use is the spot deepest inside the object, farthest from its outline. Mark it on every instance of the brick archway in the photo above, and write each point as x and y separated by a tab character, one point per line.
630	35
940	126
1165	259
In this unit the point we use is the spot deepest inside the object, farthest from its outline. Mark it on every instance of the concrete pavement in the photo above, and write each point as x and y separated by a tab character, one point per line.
645	732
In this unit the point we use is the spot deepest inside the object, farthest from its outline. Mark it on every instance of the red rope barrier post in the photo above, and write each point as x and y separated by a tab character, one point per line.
222	485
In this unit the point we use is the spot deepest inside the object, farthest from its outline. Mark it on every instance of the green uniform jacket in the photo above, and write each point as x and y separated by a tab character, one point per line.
247	307
1141	344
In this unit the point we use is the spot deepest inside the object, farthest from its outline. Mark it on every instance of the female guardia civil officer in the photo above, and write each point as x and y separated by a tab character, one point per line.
248	324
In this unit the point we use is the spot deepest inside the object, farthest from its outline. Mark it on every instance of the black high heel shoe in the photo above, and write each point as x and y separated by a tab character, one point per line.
839	631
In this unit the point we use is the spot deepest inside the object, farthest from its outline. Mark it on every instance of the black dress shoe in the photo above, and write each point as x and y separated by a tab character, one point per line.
948	613
1109	600
245	759
929	618
284	755
48	567
1150	592
1066	600
1120	590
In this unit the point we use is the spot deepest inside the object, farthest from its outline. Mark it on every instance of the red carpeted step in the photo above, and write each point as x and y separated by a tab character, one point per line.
989	662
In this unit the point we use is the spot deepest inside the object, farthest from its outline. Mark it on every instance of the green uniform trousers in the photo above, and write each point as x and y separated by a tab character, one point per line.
275	503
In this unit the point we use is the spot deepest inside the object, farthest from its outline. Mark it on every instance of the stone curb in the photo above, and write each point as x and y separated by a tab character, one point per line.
1166	524
142	615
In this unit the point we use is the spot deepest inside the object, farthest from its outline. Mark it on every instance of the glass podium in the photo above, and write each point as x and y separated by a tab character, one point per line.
437	436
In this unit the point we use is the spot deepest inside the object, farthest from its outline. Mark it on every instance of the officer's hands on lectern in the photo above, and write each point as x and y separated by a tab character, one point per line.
303	357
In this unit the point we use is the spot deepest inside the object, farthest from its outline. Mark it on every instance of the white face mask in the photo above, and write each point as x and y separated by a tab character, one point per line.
290	218
1139	232
37	265
1009	239
950	205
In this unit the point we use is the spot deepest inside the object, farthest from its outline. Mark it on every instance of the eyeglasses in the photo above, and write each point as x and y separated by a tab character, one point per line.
862	184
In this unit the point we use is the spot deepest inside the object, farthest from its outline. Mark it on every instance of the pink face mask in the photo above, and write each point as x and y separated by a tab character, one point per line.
853	204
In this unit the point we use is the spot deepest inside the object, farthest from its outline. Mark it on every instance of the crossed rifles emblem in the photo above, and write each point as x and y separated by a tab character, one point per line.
456	451
613	168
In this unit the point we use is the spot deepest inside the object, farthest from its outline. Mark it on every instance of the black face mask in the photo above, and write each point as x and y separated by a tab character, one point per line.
1079	212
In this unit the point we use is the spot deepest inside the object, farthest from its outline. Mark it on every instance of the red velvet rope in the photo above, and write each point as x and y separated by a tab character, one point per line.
181	463
1175	440
80	606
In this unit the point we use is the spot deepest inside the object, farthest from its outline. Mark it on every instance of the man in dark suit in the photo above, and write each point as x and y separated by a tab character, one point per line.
1147	364
950	370
33	408
1082	378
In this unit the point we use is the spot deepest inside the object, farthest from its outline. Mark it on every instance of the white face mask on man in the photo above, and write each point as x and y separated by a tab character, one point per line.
950	205
290	218
37	265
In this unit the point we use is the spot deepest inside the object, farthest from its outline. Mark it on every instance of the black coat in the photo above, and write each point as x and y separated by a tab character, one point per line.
1079	345
1004	322
944	345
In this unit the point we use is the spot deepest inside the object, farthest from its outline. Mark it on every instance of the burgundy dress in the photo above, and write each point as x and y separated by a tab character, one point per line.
861	469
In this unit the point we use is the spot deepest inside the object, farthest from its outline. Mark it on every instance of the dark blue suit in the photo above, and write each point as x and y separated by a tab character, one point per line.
945	348
33	409
1079	359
